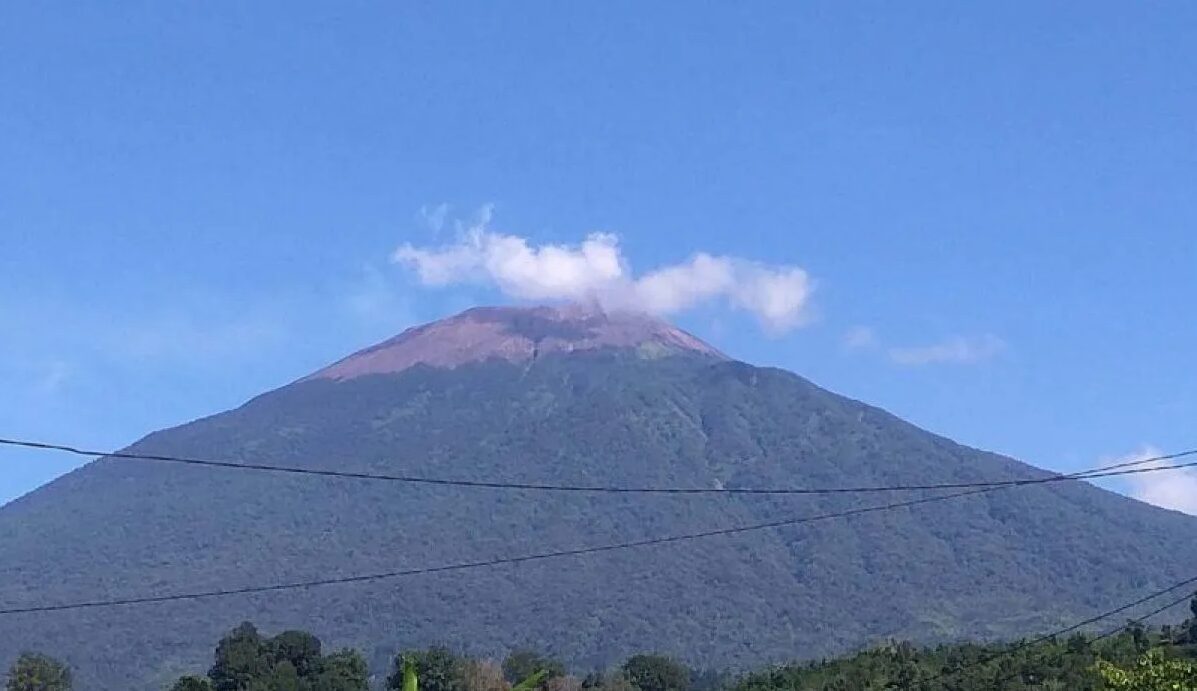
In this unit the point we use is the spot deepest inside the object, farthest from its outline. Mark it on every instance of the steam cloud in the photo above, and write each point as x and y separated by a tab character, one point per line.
596	269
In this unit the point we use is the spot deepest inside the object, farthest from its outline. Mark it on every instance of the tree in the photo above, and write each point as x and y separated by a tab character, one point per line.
709	680
300	648
240	660
523	663
437	669
36	672
282	677
483	675
614	681
656	673
1153	672
344	670
192	684
1193	620
291	661
1138	637
563	683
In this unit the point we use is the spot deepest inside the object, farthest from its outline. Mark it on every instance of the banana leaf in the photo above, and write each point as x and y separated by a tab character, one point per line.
410	682
531	682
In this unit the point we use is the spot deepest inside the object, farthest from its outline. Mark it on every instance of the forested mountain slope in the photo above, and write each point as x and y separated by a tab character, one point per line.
557	397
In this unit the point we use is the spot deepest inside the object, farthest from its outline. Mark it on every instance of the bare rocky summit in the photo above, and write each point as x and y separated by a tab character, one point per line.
515	334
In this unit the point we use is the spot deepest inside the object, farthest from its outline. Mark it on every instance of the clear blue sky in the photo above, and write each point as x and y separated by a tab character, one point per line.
199	201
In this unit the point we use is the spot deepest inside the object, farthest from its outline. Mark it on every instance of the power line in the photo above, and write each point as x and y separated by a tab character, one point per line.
1159	610
1079	625
490	562
1089	642
1118	469
1118	610
983	489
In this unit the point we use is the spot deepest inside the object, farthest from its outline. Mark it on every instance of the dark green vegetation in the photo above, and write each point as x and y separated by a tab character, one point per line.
1004	564
1136	660
37	672
1076	663
245	661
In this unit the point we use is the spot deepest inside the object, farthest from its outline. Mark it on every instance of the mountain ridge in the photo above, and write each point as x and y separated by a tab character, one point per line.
1001	564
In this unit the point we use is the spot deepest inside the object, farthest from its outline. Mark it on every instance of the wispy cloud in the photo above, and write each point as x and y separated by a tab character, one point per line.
860	337
1174	489
375	304
434	216
596	269
194	332
53	376
183	335
959	350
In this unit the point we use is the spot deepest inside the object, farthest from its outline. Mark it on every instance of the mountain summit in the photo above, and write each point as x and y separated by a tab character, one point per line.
563	396
516	334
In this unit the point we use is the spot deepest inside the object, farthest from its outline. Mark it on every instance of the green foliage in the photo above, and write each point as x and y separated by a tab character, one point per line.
411	678
524	662
437	669
291	661
1138	659
484	675
36	672
192	684
1152	672
532	681
344	670
612	681
299	648
239	660
656	673
1077	663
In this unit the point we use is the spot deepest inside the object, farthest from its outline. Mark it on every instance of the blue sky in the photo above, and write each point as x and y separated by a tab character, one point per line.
993	206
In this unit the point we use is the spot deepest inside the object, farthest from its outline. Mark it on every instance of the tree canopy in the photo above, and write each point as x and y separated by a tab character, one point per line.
37	672
1138	658
437	668
291	661
1152	672
524	662
656	673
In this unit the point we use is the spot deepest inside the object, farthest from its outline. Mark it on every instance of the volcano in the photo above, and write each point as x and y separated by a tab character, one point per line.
562	395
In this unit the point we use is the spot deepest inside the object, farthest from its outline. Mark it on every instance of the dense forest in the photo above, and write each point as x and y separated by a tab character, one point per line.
986	567
1135	659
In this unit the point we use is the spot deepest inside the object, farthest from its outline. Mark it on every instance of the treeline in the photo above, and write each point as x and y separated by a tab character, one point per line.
1136	659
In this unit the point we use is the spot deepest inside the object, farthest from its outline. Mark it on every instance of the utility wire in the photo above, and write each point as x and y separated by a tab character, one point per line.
978	488
1089	642
523	558
1139	620
1030	643
1118	469
490	562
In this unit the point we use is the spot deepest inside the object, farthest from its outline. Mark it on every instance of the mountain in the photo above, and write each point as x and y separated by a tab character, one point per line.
560	395
518	336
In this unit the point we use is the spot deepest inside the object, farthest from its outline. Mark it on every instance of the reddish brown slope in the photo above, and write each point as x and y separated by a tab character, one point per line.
514	334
